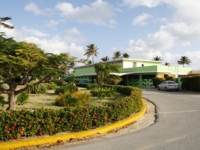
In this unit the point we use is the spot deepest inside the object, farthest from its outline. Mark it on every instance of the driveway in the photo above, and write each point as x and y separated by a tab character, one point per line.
177	126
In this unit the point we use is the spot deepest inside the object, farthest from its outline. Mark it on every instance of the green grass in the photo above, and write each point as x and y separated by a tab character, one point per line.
47	100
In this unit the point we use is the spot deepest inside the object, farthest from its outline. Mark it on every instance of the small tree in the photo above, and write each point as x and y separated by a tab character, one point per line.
22	61
103	71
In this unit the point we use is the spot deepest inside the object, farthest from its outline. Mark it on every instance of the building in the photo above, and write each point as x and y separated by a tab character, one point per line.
134	72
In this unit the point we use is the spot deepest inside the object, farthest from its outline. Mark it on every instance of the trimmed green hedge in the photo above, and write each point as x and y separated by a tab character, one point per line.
38	122
191	83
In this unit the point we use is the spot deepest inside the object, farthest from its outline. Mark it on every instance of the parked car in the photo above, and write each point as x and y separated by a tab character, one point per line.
168	85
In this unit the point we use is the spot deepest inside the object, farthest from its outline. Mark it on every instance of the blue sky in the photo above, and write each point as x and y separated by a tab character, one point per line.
142	28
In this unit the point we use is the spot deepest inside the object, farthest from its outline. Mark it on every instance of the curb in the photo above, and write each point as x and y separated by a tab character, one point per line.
73	135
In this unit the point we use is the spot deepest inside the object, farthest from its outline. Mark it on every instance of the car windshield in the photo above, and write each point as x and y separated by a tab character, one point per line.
171	82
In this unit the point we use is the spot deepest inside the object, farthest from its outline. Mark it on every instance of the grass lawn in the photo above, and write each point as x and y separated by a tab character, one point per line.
47	100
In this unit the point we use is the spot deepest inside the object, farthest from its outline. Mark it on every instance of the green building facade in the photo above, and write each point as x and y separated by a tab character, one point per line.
134	72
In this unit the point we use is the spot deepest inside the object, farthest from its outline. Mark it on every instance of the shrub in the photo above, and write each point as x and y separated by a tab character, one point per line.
191	83
38	89
58	82
51	86
22	98
103	92
170	78
2	101
71	87
92	86
72	99
38	122
157	81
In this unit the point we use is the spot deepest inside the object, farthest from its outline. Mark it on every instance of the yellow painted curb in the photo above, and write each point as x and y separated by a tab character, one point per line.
74	135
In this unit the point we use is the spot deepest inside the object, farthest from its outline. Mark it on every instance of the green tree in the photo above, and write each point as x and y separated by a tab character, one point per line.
167	64
103	71
184	60
117	55
125	55
157	58
21	62
105	58
2	19
91	51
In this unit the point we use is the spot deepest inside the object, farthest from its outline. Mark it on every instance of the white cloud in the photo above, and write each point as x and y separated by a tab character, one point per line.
52	23
147	3
73	31
141	19
98	12
33	32
34	8
57	45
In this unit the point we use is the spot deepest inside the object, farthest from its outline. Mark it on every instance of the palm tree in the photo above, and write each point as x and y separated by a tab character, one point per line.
167	64
125	55
157	58
2	19
117	55
103	71
184	60
105	58
91	51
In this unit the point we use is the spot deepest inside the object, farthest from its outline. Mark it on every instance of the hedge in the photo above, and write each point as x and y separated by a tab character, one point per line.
28	123
191	83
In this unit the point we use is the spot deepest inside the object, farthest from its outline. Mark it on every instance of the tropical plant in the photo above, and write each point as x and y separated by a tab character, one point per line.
105	58
184	60
103	71
2	19
157	58
167	64
21	62
91	51
125	55
117	55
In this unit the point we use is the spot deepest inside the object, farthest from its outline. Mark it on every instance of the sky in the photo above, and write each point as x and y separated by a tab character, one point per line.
142	28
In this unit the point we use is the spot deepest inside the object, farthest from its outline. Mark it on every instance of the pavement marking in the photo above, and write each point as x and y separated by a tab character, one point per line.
173	112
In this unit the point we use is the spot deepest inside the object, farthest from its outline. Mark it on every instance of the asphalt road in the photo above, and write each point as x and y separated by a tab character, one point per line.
177	126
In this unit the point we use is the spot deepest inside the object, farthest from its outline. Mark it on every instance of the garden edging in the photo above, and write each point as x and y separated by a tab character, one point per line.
73	135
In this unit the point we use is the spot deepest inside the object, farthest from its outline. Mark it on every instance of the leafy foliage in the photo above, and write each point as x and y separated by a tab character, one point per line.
191	83
157	58
28	123
184	60
2	101
103	71
21	62
91	51
72	99
71	87
22	98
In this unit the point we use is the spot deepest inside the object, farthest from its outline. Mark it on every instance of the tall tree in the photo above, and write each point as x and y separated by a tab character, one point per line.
125	55
157	58
117	55
91	51
105	58
184	60
103	71
21	61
